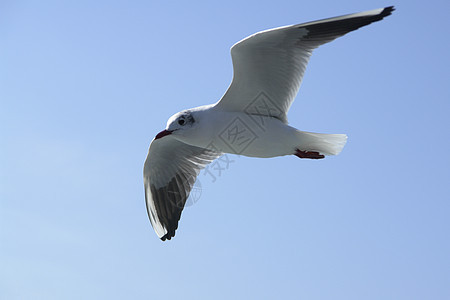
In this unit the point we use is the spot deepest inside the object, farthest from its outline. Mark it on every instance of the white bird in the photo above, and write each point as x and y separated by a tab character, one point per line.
250	119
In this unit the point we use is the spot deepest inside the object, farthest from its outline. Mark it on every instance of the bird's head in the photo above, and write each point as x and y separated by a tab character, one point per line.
178	124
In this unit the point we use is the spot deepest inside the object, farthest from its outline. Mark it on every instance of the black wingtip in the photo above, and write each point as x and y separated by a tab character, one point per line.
168	236
387	11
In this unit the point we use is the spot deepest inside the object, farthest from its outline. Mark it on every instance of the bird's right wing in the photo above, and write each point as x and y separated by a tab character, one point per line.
269	65
170	171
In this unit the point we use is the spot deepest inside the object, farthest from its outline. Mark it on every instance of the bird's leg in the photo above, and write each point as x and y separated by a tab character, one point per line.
308	154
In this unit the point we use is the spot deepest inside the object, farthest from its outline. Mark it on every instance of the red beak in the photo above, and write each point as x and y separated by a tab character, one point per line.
163	134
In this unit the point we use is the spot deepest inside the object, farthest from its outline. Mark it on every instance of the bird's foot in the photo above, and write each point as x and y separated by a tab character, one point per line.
308	154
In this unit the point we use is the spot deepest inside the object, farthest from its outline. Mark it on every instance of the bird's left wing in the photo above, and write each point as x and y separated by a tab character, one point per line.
269	65
170	171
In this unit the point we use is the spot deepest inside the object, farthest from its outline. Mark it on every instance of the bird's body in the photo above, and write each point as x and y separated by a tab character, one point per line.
248	135
238	133
249	120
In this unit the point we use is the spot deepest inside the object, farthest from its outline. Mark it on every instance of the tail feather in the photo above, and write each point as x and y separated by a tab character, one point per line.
327	144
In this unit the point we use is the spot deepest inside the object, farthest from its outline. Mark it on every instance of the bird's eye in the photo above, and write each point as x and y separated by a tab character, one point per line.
181	122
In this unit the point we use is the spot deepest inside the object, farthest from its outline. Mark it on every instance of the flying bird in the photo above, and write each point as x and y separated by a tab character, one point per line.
250	119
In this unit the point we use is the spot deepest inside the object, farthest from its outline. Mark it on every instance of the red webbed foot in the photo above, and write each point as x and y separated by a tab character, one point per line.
308	154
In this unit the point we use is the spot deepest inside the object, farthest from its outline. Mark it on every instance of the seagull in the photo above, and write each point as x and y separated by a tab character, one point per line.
250	119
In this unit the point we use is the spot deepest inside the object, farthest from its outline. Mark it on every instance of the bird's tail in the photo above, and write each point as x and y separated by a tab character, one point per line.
327	144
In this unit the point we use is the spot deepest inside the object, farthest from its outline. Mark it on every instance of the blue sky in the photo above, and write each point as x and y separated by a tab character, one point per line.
84	87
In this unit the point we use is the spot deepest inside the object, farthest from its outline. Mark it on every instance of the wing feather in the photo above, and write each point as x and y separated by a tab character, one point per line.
170	171
269	65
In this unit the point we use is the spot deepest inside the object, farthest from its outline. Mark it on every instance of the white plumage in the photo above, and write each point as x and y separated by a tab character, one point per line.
250	119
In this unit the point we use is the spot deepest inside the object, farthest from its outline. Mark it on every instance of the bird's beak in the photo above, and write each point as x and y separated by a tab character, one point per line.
163	134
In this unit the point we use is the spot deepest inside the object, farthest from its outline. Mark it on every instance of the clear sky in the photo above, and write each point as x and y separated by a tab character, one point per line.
86	85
